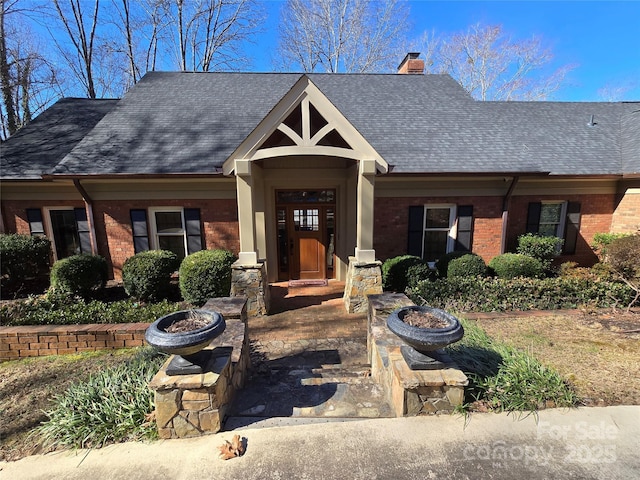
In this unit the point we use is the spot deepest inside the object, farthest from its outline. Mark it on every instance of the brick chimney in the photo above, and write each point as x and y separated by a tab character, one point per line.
411	64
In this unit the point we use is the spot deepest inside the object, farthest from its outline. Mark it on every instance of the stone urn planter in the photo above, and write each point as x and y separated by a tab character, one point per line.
185	334
425	330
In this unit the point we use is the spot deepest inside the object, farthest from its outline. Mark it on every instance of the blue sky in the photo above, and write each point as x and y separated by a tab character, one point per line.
601	38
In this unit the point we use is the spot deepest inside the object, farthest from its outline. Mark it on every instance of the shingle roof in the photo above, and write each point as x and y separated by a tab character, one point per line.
631	141
43	143
174	122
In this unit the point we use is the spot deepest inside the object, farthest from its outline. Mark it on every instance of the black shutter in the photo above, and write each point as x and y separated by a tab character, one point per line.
139	229
82	227
34	217
533	217
572	228
464	237
416	230
192	226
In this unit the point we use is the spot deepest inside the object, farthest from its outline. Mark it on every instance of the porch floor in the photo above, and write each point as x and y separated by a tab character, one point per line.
309	360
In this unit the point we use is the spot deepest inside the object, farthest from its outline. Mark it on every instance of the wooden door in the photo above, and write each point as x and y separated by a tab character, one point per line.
305	222
309	253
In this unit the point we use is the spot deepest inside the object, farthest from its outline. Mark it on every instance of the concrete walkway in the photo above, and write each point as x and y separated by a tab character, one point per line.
586	443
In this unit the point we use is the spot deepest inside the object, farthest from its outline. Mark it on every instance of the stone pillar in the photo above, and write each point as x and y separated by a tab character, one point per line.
251	281
363	278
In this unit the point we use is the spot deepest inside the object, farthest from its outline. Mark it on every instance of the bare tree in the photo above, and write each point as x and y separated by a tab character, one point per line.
492	66
82	36
27	79
352	36
209	33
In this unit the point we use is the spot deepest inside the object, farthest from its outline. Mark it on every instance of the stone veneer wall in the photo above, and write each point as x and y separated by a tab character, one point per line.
362	279
409	392
251	281
193	405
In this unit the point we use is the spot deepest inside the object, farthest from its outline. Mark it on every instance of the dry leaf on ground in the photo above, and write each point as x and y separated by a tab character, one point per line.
232	449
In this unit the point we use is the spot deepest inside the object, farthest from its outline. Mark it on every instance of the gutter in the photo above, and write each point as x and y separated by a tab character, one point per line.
88	204
506	202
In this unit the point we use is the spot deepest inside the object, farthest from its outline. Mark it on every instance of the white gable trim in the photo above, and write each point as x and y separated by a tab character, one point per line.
304	92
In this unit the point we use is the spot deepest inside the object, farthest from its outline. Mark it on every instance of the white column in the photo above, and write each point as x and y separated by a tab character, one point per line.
365	219
246	220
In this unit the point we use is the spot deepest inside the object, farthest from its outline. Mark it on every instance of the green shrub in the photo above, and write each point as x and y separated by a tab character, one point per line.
112	406
395	271
623	256
513	265
147	275
469	265
206	274
61	310
504	378
602	240
542	248
442	264
466	294
420	272
22	257
79	275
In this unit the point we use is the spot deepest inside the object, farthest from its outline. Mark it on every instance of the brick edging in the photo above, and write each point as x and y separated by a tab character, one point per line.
41	340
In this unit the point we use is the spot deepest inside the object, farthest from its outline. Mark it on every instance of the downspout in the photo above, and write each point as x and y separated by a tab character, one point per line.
88	202
506	202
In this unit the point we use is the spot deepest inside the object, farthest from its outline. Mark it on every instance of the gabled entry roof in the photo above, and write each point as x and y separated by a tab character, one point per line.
191	123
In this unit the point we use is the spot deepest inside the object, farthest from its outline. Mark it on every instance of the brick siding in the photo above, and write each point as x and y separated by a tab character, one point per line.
391	222
42	340
626	218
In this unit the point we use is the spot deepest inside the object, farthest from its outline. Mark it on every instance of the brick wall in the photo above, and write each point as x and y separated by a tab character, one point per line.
391	222
392	216
626	218
219	220
37	341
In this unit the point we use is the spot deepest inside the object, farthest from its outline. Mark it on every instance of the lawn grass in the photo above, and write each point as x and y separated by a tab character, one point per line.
503	378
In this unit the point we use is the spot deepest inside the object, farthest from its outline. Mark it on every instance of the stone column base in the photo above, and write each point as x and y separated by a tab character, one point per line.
410	392
362	279
193	405
251	281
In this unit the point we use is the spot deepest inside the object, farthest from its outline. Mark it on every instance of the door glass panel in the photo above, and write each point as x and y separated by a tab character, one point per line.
306	220
435	245
330	223
283	253
65	233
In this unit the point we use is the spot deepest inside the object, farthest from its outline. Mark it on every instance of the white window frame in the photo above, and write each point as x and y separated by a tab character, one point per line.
153	229
48	227
452	229
563	216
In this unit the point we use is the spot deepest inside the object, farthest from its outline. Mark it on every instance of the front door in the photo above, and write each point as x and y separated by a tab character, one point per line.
306	235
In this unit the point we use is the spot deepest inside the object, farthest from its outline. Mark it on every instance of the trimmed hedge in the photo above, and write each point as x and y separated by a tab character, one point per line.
442	264
513	265
418	273
58	310
147	275
206	274
542	248
79	275
395	272
469	265
22	257
499	295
